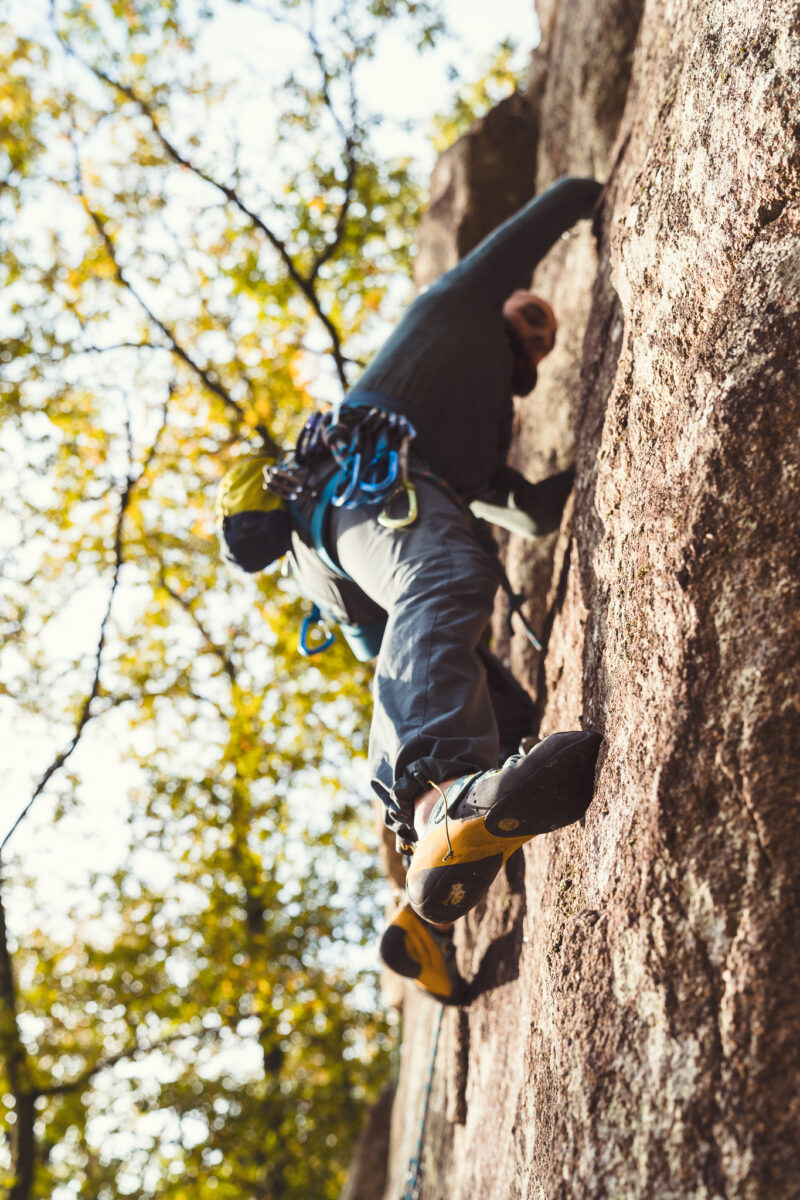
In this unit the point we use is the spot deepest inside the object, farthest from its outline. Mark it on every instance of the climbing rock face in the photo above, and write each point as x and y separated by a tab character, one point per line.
633	1029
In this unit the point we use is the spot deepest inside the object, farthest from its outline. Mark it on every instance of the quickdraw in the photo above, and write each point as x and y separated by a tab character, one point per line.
370	447
404	488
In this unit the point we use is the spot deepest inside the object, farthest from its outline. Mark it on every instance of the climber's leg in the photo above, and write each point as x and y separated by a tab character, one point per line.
528	509
513	708
432	717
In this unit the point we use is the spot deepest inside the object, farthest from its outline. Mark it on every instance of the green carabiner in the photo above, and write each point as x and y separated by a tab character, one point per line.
410	517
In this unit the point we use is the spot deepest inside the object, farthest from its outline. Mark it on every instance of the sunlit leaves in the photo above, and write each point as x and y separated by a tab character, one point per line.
500	78
190	1020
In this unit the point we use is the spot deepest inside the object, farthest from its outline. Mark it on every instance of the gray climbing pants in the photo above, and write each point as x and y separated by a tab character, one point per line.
438	694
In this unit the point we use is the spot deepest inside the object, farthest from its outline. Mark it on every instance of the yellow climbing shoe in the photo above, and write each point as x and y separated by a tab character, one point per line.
412	948
483	818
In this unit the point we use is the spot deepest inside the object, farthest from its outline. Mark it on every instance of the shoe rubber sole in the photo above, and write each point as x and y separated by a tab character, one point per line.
455	863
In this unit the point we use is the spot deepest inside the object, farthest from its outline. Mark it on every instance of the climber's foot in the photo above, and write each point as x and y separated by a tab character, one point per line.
530	510
483	818
413	948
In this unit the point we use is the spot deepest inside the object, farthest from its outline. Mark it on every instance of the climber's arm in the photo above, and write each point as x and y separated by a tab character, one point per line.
505	259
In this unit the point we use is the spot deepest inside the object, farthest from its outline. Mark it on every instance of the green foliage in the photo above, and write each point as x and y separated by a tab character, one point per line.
470	101
188	1018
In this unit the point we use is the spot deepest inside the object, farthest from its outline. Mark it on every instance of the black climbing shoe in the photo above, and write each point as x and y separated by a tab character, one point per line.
485	817
412	948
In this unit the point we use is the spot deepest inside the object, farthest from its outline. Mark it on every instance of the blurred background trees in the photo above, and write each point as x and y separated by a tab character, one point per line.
201	224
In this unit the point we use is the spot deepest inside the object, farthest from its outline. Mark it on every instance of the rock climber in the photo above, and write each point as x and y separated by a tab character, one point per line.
372	508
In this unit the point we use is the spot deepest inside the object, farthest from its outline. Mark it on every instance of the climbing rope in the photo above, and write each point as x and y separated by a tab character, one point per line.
414	1180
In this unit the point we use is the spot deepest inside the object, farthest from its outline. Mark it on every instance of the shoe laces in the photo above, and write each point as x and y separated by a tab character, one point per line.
449	854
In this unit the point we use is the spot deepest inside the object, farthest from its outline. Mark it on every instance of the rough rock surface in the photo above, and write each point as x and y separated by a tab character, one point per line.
478	182
367	1178
633	1028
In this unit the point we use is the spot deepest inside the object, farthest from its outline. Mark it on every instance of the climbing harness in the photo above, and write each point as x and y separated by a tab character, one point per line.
414	1179
369	446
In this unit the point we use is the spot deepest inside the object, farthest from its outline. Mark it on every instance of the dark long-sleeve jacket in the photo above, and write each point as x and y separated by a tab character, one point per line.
448	367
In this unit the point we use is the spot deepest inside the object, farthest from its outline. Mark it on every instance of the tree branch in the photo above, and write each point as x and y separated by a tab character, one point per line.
119	346
304	284
86	714
17	1068
210	644
204	375
349	139
111	1060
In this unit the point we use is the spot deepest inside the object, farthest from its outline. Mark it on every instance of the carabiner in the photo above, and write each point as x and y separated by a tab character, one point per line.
349	485
411	498
375	487
315	620
307	438
284	481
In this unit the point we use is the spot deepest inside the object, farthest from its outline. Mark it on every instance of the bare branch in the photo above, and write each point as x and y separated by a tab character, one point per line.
178	350
304	284
319	58
119	346
153	450
348	137
86	714
210	644
17	1068
111	1060
341	220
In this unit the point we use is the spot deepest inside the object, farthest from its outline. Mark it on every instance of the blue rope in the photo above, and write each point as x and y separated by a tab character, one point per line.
414	1182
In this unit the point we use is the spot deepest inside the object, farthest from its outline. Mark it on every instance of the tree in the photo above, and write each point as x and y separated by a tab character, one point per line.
188	1024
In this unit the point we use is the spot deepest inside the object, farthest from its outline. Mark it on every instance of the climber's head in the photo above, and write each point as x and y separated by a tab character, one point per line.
533	321
255	526
532	326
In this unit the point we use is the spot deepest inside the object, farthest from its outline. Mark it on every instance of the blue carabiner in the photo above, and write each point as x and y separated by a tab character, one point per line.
379	486
314	619
349	483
